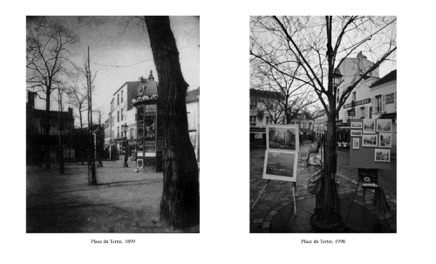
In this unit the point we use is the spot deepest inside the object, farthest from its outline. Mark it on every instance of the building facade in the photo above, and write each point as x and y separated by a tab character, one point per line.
60	123
193	111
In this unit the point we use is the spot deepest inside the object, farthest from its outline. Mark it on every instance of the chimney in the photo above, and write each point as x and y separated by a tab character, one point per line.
150	77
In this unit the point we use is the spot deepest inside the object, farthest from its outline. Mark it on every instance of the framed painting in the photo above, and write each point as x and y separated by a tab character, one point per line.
279	165
382	155
356	133
368	126
282	137
356	125
385	140
356	143
384	125
369	140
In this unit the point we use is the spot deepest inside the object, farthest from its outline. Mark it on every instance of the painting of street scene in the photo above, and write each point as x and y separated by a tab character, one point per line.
382	155
368	126
280	164
384	125
284	138
369	141
385	140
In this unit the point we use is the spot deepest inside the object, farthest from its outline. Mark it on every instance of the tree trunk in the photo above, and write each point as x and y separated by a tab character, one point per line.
81	136
179	207
47	129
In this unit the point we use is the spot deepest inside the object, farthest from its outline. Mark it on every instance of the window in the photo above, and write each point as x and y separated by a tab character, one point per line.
354	96
253	104
122	92
267	120
378	104
118	116
362	112
118	131
118	99
121	113
253	120
370	112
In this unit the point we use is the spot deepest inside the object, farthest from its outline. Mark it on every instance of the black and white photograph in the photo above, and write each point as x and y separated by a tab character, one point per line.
382	155
105	150
369	140
280	166
385	140
384	125
322	74
368	126
356	143
283	137
356	133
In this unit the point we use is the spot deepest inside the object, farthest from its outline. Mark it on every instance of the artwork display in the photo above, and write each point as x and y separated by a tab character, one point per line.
282	137
385	140
356	143
369	140
356	133
280	165
355	125
368	126
382	155
384	125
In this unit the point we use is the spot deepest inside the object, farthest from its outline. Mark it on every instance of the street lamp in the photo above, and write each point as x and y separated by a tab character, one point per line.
124	129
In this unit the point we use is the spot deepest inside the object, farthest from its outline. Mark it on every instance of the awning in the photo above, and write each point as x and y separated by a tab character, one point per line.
392	116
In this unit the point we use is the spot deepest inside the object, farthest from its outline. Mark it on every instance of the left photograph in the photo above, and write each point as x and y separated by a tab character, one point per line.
112	124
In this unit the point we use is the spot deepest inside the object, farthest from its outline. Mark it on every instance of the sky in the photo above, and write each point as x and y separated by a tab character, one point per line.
120	53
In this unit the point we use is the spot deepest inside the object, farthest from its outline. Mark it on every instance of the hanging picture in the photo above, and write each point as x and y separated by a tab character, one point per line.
356	143
355	125
369	140
282	137
356	133
382	155
385	140
280	165
384	125
368	126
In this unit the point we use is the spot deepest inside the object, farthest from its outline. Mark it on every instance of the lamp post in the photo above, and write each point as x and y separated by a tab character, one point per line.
124	129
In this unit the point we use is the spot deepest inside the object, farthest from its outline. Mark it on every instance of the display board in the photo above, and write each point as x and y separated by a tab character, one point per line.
371	141
281	155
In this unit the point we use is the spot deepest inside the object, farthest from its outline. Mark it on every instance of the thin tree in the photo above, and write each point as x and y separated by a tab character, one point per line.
180	203
319	45
47	48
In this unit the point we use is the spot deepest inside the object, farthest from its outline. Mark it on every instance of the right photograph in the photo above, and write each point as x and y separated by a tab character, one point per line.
323	124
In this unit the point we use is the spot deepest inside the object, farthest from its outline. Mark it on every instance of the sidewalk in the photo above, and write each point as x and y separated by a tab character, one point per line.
122	201
277	201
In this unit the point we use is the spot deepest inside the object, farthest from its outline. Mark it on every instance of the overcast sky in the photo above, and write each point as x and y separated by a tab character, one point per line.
121	53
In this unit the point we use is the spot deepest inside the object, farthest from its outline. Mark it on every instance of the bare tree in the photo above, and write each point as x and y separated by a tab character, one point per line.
180	203
47	49
318	46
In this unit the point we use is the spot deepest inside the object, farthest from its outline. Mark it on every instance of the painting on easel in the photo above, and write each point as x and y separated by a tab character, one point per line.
280	165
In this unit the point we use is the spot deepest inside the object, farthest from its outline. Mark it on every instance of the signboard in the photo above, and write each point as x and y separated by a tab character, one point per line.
371	139
352	112
281	155
390	99
361	102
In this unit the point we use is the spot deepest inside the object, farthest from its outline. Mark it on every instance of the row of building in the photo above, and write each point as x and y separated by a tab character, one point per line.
373	98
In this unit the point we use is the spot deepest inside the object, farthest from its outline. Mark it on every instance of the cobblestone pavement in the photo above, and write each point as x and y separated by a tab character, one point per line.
278	194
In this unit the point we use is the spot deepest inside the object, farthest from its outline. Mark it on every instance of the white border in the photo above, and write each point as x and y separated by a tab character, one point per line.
278	177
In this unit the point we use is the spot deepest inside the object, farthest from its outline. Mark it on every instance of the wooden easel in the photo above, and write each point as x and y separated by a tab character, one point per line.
294	184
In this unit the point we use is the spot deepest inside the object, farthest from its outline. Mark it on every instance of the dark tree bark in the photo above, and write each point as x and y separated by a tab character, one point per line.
179	207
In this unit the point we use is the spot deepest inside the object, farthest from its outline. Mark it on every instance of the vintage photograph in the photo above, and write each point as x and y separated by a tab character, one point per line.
382	155
384	125
385	140
96	114
356	143
299	66
356	133
356	125
280	165
368	126
369	140
283	137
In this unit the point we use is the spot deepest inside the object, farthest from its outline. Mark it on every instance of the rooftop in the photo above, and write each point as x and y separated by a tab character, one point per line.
392	76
